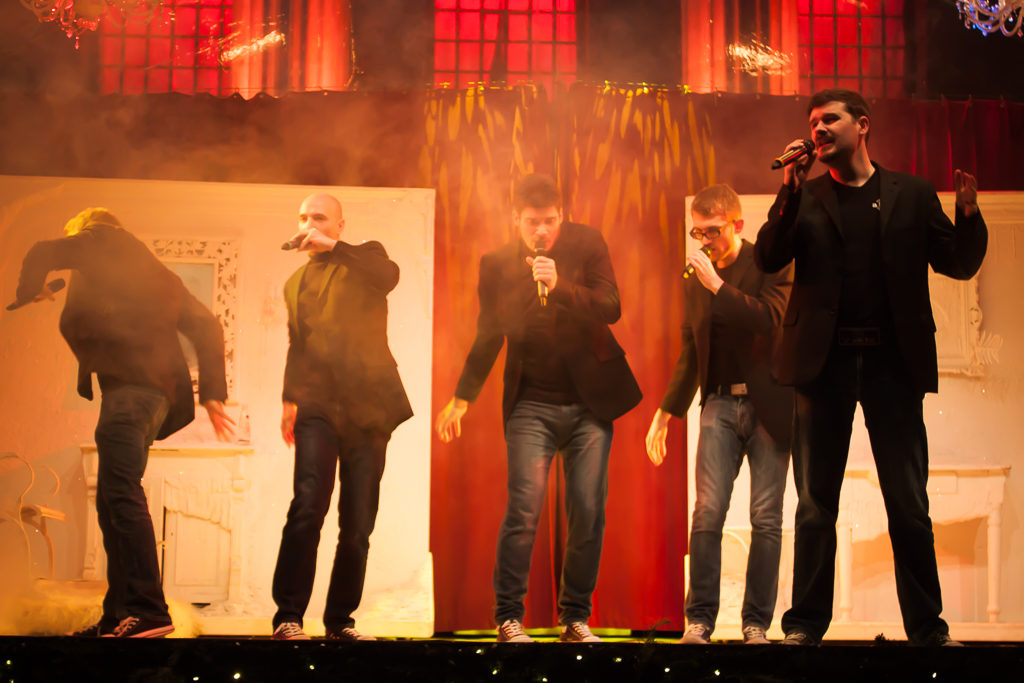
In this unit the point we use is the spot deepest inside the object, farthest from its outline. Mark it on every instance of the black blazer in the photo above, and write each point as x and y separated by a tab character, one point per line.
587	302
349	337
755	306
804	227
122	316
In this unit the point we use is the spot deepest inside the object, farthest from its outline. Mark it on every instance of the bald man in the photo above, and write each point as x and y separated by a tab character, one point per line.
342	399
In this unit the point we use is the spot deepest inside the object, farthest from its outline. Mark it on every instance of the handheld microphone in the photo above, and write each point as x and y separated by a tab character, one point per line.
293	243
540	249
791	155
51	287
689	266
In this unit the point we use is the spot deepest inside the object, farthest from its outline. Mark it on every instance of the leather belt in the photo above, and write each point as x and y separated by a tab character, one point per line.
859	336
730	389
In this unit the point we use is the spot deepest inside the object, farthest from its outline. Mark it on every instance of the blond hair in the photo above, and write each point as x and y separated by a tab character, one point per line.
87	218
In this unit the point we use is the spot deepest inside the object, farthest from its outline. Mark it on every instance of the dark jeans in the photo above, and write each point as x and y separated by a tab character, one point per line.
358	457
729	428
130	417
533	433
876	378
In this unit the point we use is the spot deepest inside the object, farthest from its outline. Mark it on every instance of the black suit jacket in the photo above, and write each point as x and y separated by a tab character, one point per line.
755	307
349	337
805	227
122	316
586	301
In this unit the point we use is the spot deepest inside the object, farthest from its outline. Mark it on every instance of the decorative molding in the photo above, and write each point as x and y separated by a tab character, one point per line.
222	255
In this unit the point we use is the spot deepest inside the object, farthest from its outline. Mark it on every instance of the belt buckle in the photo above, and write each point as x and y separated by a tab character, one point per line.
859	336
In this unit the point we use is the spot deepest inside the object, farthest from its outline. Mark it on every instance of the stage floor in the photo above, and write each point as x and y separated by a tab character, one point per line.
221	659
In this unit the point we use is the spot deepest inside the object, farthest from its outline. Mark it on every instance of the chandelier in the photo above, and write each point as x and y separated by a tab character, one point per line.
989	16
74	17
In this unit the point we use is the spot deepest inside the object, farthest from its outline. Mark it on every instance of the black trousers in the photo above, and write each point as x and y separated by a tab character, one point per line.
874	377
321	449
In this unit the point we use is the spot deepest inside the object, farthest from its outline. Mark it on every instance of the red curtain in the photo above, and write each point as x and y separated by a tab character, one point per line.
316	52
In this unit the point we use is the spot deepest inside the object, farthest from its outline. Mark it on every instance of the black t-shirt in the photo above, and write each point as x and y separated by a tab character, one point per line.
729	360
863	299
545	375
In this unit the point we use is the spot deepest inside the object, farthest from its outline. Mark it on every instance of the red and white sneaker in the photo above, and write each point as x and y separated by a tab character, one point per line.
577	632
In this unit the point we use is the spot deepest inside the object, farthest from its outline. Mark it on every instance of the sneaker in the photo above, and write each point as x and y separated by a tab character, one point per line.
348	633
798	638
577	632
939	640
289	630
696	634
754	635
141	627
98	630
511	631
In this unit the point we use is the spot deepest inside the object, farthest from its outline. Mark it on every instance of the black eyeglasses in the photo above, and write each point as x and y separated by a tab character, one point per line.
711	232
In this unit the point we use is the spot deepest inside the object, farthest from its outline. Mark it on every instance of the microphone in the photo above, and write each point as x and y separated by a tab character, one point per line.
791	155
540	248
51	287
293	243
689	266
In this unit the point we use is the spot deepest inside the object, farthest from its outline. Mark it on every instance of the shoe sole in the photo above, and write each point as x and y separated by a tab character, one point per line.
157	632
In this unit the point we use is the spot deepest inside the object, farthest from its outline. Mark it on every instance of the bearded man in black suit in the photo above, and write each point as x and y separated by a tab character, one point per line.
551	294
859	328
123	313
342	399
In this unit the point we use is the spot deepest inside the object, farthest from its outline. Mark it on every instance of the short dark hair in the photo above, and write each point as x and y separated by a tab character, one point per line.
537	191
717	200
851	99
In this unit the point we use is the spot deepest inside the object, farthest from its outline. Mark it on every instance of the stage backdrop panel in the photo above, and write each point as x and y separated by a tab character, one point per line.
224	506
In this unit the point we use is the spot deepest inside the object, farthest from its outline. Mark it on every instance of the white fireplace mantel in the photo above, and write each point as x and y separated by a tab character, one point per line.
196	494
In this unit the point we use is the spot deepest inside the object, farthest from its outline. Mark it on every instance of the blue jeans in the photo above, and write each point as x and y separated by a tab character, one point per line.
729	428
321	450
130	417
533	434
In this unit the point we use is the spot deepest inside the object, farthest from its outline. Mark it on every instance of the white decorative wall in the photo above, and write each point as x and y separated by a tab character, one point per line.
46	421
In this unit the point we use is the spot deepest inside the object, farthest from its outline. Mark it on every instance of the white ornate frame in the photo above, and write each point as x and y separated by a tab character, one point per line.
223	256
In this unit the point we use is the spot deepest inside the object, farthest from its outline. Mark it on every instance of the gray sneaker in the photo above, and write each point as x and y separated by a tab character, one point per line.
755	635
697	634
511	631
798	638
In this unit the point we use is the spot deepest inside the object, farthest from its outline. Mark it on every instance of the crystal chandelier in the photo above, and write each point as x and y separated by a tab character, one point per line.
74	17
989	16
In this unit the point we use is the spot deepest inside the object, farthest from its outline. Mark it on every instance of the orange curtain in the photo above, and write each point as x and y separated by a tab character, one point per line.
626	160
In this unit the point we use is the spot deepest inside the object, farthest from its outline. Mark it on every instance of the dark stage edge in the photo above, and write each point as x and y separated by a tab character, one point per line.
226	660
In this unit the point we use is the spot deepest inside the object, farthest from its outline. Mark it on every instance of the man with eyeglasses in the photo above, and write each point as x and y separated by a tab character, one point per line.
731	309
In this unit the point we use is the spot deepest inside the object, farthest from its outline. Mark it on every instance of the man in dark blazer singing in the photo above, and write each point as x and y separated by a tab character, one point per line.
551	294
342	399
731	313
859	328
122	317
